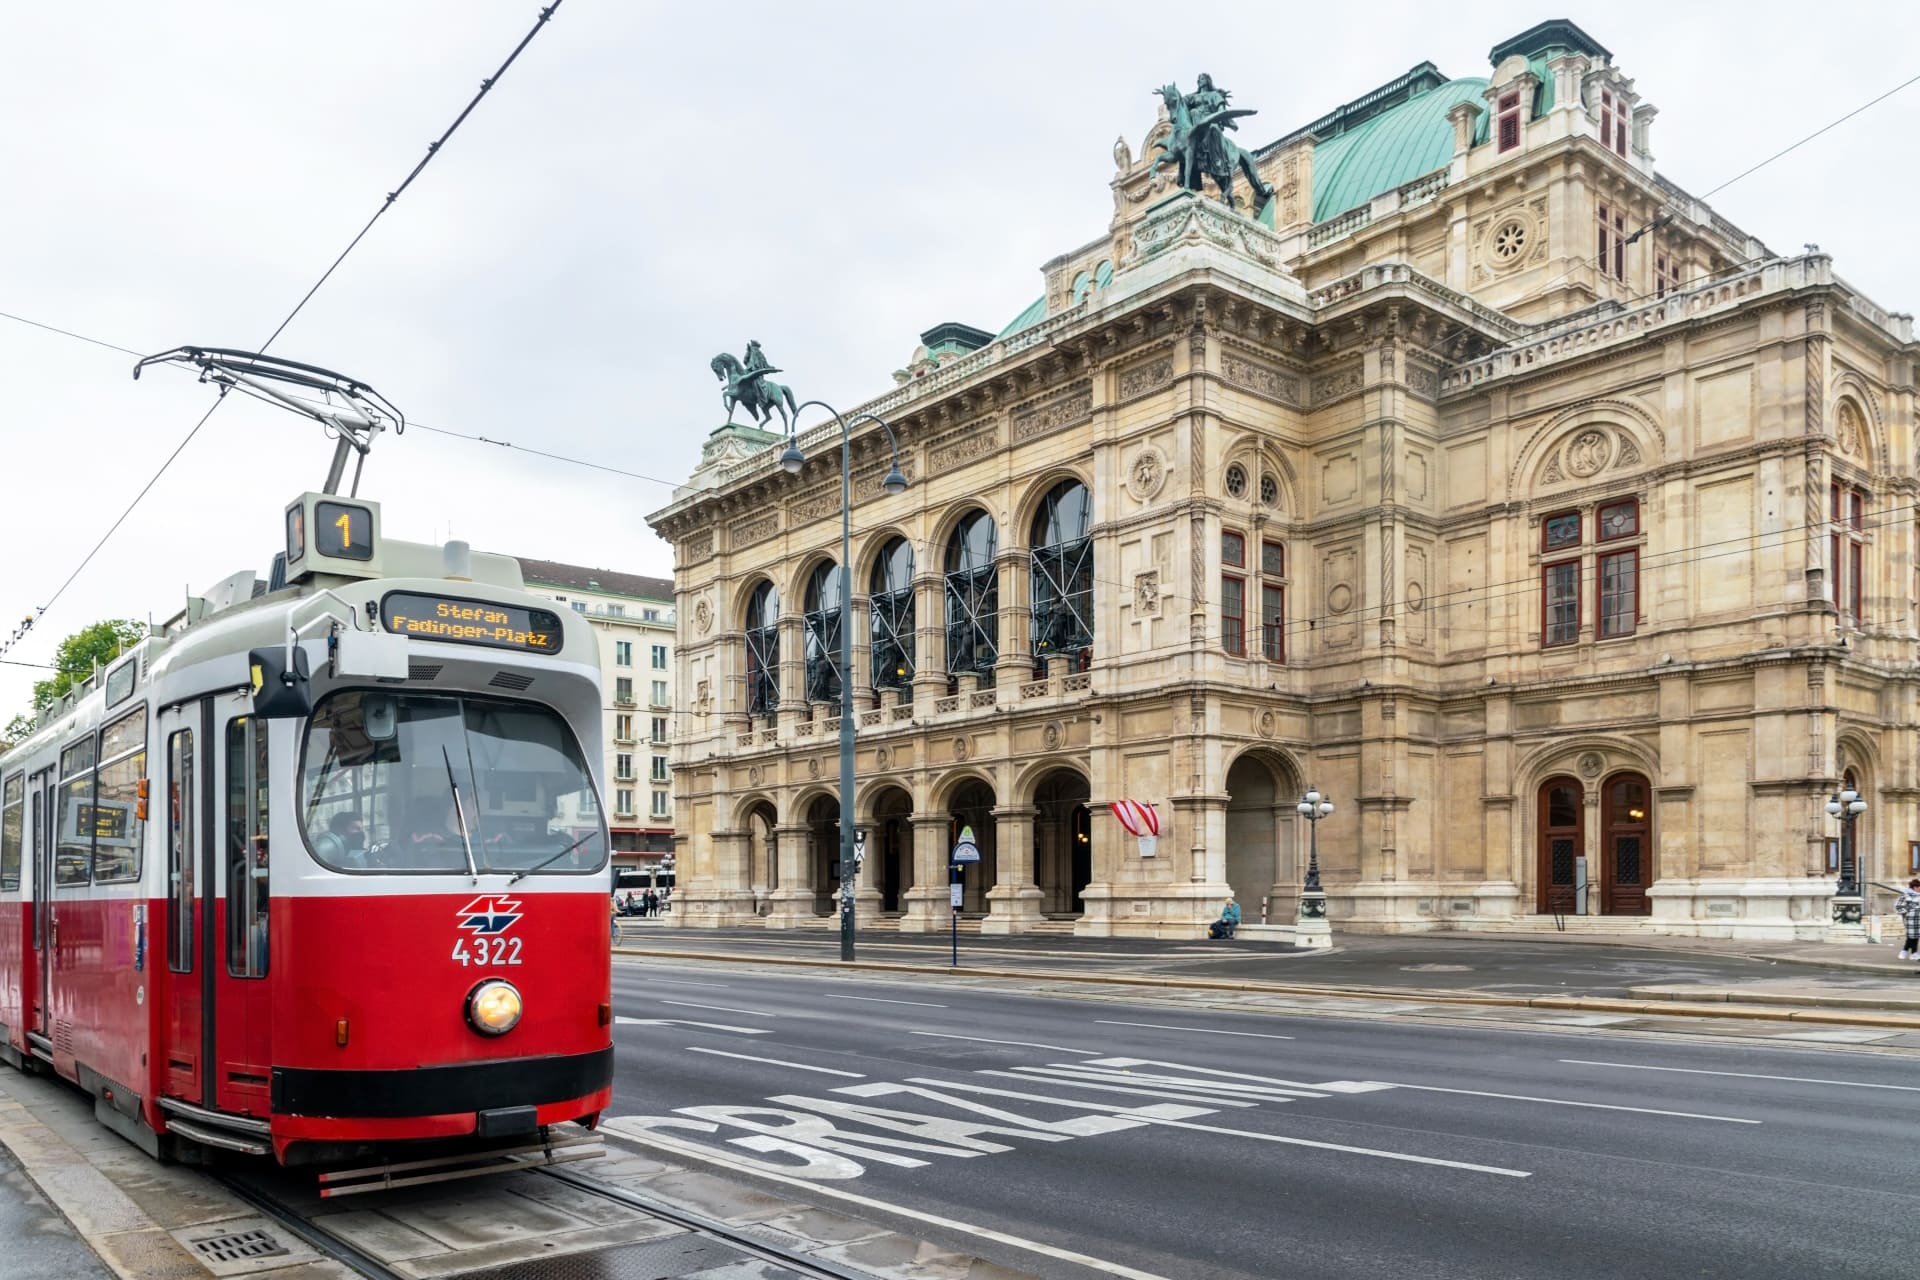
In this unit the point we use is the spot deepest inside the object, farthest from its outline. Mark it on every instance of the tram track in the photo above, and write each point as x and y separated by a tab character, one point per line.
298	1222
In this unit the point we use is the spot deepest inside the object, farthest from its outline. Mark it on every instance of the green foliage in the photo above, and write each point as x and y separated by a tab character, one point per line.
17	730
80	652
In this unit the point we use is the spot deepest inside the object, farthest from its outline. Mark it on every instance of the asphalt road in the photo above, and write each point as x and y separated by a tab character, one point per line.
1068	1138
1499	965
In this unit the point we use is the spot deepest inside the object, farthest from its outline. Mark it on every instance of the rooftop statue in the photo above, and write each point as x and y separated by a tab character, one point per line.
1200	148
747	385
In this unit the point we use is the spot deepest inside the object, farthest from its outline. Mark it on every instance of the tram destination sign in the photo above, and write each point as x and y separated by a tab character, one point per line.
458	621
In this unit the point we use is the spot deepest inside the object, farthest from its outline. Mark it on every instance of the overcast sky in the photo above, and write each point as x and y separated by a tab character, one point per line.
652	184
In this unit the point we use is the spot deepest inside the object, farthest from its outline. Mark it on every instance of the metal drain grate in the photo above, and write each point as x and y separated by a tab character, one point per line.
240	1246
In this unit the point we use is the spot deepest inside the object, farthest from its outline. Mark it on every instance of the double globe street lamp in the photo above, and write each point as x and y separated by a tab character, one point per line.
1847	805
1312	925
895	484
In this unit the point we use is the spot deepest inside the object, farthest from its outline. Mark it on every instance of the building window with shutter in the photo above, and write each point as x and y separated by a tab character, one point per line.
1509	121
1612	257
1233	592
623	653
1613	122
1847	552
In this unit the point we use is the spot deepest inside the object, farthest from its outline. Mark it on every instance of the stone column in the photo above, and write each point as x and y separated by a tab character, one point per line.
793	668
734	692
792	903
1015	667
1013	904
926	901
862	674
929	641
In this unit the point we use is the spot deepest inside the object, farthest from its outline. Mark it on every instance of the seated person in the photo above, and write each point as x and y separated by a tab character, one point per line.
1229	921
347	827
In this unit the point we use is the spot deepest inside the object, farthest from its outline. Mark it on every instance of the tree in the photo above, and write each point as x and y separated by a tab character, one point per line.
17	730
82	651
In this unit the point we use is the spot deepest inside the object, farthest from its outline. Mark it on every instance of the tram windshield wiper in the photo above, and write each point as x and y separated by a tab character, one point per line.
460	812
518	876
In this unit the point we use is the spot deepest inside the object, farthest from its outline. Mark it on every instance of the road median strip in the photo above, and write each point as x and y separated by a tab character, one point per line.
1715	1003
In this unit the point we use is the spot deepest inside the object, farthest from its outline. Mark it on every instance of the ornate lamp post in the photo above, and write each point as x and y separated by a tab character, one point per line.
791	460
1312	929
1847	805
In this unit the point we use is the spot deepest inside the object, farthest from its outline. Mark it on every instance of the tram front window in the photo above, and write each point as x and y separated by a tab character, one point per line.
408	782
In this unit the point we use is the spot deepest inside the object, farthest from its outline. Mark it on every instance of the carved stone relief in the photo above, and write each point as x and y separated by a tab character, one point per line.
1074	405
697	547
703	615
1341	382
1846	426
1146	594
963	446
1148	376
1147	474
754	529
1588	453
1251	376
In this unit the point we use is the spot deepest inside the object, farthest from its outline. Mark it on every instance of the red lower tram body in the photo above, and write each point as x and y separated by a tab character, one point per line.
356	1038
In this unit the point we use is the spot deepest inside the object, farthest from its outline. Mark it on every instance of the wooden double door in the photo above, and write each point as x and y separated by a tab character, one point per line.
1619	862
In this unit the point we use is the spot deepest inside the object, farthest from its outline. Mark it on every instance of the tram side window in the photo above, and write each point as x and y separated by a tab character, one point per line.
180	851
117	823
247	848
13	828
73	852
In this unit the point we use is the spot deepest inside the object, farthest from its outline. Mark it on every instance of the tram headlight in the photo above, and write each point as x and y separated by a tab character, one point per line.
493	1007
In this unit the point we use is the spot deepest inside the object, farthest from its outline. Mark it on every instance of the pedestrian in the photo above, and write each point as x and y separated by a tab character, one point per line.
651	905
1908	905
1229	921
613	921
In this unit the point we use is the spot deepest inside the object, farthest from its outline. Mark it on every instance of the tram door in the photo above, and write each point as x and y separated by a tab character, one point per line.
186	791
40	825
238	948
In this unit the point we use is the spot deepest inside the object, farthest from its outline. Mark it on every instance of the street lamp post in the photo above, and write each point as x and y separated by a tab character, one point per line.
1848	905
895	484
1311	928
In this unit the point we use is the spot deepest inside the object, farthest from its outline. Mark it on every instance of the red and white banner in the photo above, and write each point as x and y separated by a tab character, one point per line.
1139	818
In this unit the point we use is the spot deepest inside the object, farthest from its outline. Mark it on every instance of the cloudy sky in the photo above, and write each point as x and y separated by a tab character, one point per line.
652	184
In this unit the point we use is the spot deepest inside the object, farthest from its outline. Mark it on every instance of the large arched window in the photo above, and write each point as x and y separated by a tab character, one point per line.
1063	573
973	598
763	650
890	609
826	595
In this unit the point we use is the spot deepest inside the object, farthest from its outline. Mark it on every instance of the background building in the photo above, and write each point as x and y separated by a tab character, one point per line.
634	618
1485	479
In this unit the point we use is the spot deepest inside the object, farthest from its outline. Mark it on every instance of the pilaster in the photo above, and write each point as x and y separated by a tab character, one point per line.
1013	904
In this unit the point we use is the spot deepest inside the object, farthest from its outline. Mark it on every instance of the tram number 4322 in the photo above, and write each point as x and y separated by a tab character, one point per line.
486	951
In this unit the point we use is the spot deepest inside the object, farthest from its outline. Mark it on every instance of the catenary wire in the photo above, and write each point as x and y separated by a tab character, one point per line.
433	149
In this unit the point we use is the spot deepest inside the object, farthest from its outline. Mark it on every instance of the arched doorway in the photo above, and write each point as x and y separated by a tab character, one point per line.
1626	850
823	836
763	858
1260	862
973	600
890	848
1062	842
971	805
1562	837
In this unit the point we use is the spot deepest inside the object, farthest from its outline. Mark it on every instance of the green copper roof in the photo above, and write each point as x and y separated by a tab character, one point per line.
1392	148
1032	315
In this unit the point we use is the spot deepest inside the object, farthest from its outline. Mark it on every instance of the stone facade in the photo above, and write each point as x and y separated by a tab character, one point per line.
1522	554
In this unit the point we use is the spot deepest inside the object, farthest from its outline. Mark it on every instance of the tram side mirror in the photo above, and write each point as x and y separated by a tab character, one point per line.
380	716
279	692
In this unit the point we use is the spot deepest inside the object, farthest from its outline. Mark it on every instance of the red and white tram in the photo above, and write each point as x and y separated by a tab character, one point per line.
321	871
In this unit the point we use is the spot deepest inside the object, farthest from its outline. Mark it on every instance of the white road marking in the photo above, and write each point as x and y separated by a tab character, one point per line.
1568	1102
1024	1044
776	1062
1161	1026
877	1000
697	1151
720	1008
1836	1037
1116	1088
1744	1075
688	1022
1187	1084
680	982
1240	1133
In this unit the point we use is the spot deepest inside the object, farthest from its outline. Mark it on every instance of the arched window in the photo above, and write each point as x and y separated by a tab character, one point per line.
973	598
890	616
763	650
826	596
1062	594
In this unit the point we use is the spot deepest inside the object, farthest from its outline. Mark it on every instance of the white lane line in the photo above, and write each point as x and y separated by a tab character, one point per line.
877	1000
1024	1044
624	1021
1076	1071
1567	1102
697	1151
1744	1075
675	982
1146	1115
1161	1026
776	1062
721	1008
